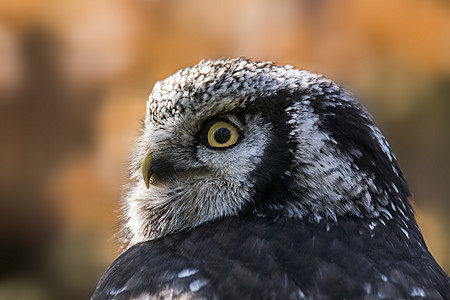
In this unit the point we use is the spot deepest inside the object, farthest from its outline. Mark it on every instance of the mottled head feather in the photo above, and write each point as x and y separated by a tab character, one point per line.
225	84
308	150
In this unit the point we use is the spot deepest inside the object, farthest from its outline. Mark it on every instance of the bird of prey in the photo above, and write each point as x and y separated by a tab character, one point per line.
252	180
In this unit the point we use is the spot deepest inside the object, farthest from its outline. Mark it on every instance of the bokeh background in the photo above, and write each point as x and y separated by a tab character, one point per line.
75	75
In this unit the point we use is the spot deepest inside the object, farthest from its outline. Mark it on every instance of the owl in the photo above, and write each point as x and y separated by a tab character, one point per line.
252	180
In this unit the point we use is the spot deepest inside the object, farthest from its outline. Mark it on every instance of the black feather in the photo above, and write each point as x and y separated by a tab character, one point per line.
257	258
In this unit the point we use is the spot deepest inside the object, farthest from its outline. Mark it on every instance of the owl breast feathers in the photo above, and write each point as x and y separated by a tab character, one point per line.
258	181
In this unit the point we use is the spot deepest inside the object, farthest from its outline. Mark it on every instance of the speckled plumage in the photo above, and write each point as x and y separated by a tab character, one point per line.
310	171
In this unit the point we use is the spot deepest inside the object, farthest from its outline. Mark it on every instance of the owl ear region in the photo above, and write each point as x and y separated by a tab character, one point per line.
146	173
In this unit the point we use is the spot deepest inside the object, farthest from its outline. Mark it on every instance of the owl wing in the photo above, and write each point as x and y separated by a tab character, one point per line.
237	258
150	271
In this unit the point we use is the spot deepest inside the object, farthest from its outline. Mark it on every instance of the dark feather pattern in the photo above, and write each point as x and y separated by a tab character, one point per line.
259	258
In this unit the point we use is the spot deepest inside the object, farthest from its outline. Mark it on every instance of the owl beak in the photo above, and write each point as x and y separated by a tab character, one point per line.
158	169
146	168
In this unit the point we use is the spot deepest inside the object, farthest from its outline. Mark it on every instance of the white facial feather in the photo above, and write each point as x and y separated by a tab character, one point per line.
221	188
329	177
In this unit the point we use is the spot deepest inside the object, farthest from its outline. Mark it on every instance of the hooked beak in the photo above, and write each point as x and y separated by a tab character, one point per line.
146	168
158	169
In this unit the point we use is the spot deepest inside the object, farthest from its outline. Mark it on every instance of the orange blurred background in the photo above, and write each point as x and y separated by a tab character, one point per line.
75	75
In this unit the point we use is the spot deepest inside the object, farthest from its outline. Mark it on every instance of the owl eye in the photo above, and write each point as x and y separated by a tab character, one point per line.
221	134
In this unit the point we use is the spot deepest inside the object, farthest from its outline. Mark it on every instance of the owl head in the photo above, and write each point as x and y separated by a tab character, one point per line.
235	137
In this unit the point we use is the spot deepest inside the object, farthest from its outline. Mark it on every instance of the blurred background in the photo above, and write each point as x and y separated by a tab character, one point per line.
75	75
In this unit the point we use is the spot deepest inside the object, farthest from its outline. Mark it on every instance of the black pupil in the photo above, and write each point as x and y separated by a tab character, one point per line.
222	135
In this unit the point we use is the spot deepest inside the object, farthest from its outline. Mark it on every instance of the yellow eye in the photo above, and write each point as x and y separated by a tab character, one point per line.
222	134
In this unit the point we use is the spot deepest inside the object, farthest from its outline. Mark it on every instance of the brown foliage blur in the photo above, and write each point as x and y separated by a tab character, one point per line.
74	77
